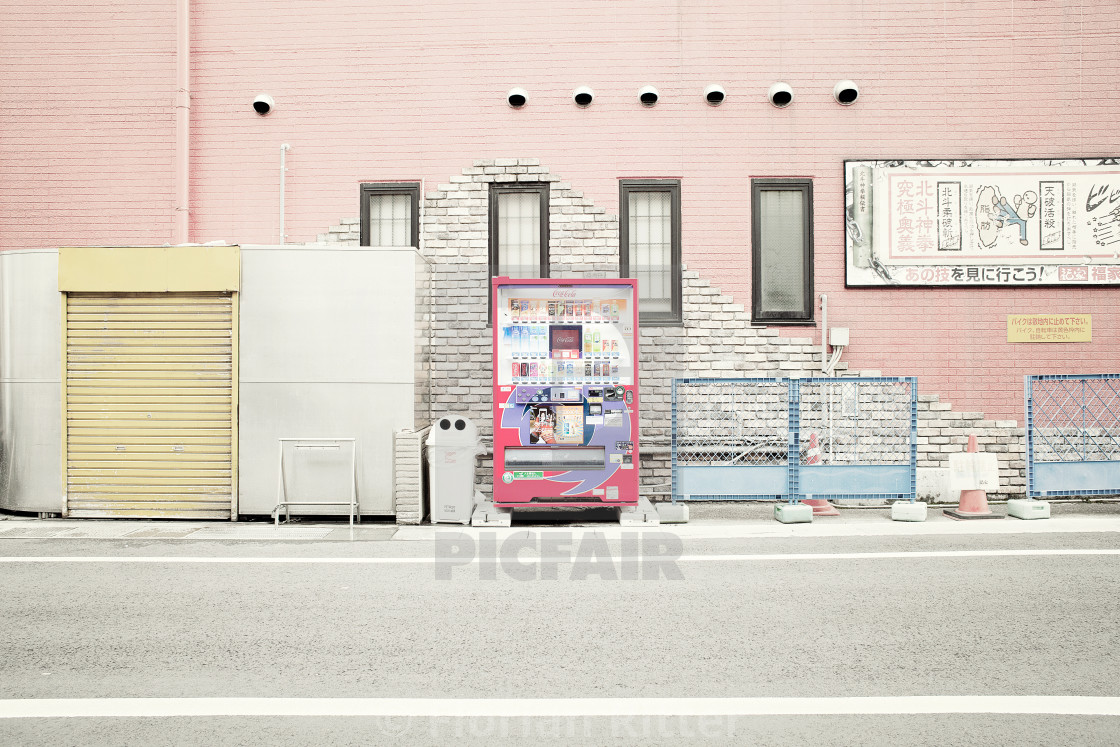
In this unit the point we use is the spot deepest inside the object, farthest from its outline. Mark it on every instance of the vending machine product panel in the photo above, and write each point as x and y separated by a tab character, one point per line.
565	392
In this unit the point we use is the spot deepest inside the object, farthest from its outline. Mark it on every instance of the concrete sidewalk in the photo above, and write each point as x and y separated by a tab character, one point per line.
723	520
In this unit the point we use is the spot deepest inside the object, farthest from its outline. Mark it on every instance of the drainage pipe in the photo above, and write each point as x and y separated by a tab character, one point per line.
824	334
181	230
283	178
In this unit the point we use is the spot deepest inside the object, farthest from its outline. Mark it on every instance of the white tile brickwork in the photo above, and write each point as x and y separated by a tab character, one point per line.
408	475
716	338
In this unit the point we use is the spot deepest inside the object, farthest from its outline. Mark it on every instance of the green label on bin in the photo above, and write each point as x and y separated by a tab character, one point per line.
528	475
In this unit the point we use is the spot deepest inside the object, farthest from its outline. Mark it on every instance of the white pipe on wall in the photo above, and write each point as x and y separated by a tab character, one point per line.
824	334
181	227
284	148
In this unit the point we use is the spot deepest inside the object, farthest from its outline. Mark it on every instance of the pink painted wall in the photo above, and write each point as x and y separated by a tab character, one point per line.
87	126
386	91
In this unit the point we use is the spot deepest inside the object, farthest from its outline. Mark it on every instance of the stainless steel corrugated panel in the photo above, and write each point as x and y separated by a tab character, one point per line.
30	382
149	405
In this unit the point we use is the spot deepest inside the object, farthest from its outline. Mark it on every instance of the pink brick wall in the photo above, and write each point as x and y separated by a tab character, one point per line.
87	96
386	91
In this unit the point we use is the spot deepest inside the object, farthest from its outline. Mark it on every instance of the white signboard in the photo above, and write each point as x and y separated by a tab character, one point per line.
938	223
973	471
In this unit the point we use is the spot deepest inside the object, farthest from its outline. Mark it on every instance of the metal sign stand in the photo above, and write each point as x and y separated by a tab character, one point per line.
309	444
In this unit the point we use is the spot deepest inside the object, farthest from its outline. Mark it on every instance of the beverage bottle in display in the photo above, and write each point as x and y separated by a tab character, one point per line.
587	344
542	341
606	313
596	344
514	310
614	372
614	311
534	370
516	349
579	310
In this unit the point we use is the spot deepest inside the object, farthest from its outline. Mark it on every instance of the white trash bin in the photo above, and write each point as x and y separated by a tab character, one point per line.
453	446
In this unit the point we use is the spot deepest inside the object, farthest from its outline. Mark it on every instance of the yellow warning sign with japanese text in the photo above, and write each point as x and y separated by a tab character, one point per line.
1049	328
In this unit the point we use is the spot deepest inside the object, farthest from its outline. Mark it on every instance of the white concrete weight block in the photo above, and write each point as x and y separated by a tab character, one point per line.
793	513
1022	508
673	513
906	511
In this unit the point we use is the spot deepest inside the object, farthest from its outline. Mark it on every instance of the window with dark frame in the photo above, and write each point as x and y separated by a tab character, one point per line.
782	251
390	214
519	230
650	246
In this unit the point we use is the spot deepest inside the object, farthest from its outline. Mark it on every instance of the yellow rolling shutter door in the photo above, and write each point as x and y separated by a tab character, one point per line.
150	405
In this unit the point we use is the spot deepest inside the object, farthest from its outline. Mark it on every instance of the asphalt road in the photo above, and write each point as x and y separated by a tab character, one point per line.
737	618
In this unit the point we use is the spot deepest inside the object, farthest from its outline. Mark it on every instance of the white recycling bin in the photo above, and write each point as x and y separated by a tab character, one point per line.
453	446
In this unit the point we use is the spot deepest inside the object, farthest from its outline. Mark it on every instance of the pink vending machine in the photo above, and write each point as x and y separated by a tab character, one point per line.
565	392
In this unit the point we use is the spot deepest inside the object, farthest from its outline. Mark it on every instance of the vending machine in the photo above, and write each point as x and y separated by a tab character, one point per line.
565	392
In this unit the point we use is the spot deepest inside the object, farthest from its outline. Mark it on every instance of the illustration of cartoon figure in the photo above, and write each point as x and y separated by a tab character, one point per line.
1025	203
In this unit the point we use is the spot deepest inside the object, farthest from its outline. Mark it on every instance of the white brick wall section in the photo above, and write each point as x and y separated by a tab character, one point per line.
408	475
717	337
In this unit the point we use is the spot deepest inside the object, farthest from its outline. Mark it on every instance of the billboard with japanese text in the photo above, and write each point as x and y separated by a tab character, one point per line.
981	222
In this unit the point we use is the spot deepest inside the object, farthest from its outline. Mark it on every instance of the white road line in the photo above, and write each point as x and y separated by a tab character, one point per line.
527	559
555	707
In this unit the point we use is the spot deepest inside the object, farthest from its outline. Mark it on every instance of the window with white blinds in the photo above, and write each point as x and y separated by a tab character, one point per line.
650	246
519	231
389	214
782	250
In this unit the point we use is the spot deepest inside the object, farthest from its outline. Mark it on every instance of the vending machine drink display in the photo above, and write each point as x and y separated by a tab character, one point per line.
565	392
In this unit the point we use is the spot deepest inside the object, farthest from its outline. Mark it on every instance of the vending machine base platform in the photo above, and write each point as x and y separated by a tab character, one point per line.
642	514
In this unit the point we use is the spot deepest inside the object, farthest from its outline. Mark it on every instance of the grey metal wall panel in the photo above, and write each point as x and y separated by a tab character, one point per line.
328	349
369	412
30	382
324	314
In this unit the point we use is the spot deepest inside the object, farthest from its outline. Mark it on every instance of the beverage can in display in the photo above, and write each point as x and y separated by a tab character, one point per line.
614	372
534	370
551	311
516	371
587	370
606	312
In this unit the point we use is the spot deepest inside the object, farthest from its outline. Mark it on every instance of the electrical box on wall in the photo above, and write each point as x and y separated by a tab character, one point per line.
838	337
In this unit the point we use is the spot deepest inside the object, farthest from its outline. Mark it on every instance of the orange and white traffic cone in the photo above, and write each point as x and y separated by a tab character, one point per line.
973	503
820	506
